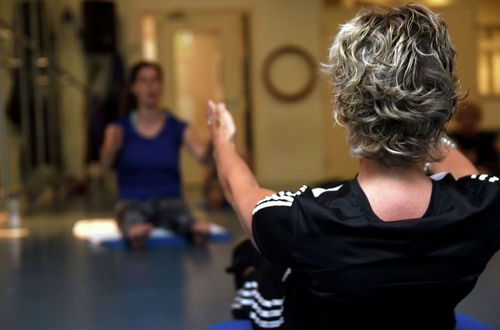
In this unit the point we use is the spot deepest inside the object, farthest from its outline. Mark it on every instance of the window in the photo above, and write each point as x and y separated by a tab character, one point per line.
489	60
149	44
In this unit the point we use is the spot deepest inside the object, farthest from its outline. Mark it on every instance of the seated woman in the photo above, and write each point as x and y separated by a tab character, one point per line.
390	248
145	145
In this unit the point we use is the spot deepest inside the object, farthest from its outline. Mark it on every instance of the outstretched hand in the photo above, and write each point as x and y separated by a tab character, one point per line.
220	123
237	180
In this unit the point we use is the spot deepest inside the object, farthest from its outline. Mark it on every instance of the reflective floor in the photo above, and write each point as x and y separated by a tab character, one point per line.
52	280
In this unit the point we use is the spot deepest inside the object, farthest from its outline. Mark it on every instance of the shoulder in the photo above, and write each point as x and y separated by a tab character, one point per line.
481	203
175	120
283	200
273	225
279	200
277	217
481	183
481	179
477	191
474	179
123	121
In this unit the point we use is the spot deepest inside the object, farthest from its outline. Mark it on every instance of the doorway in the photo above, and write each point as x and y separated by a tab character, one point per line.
204	55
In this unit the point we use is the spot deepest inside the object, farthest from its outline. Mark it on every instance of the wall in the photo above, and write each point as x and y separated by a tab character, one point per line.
462	21
489	14
338	161
288	136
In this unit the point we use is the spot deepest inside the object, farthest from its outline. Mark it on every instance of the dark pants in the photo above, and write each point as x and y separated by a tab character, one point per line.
169	213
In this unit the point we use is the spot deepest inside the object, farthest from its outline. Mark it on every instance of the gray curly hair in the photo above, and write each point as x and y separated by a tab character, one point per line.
392	70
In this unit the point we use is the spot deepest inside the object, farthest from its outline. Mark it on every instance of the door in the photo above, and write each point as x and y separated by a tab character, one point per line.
202	52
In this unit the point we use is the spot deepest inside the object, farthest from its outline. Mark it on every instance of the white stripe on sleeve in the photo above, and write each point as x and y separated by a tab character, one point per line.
270	204
282	198
318	191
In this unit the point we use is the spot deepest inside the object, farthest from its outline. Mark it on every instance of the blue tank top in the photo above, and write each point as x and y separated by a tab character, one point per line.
149	167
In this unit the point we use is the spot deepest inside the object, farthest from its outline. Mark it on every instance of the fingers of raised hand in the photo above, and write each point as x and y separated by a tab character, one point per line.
226	117
210	111
218	117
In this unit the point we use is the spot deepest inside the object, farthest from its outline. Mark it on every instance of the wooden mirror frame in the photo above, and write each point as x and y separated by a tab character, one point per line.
273	89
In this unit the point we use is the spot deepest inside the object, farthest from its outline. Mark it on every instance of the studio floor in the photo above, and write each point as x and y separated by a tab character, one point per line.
55	281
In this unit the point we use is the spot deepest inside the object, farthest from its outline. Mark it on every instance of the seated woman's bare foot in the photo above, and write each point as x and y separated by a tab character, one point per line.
200	232
138	234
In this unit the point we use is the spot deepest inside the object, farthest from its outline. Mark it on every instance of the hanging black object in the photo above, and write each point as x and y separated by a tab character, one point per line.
99	27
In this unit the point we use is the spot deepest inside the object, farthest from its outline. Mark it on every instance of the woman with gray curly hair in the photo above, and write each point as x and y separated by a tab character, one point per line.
392	248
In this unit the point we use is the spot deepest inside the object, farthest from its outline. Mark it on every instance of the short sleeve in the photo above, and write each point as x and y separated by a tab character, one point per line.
485	200
179	126
273	226
484	183
122	121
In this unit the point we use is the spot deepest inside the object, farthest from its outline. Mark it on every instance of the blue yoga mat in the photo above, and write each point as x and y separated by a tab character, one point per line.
464	322
232	325
173	240
105	232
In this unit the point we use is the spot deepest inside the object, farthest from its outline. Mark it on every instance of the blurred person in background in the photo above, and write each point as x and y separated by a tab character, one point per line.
144	147
391	248
481	147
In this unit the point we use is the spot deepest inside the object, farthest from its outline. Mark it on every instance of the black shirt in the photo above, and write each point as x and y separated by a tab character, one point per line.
351	270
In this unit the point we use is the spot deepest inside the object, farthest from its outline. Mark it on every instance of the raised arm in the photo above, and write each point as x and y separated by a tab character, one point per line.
113	136
238	182
200	151
454	162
